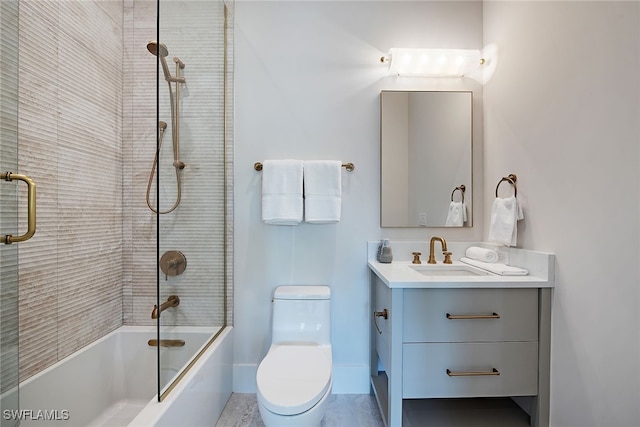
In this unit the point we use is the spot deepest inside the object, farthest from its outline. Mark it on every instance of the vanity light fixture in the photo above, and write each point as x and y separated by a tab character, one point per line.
433	62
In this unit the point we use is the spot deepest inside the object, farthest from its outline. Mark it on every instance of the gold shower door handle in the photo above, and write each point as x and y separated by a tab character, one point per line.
31	208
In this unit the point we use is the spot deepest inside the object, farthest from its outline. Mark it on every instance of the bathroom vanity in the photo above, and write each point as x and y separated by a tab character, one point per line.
451	345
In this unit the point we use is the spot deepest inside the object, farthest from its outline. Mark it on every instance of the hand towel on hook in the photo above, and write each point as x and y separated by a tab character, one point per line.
322	191
505	214
457	215
282	192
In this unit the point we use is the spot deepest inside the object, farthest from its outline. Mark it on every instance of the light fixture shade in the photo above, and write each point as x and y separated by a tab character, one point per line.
433	62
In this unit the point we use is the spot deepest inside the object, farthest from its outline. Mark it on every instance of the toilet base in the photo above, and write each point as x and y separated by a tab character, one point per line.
310	418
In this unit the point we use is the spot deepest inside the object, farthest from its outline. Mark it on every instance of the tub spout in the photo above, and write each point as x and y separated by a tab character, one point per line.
172	301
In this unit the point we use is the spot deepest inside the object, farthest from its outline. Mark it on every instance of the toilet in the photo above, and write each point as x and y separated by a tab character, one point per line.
294	379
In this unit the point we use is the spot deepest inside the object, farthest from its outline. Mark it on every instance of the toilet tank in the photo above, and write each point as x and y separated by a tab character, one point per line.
301	314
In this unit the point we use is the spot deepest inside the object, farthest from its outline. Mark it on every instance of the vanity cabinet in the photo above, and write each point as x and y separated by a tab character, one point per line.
460	343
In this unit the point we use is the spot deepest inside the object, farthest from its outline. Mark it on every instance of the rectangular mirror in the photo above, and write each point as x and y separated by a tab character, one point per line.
426	159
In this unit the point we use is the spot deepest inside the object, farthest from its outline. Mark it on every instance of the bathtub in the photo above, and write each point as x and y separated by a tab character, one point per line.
113	382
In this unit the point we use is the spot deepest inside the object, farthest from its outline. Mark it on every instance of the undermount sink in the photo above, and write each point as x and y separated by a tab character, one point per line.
448	270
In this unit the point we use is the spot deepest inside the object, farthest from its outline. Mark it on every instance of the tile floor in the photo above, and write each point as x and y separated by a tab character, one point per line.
361	410
352	410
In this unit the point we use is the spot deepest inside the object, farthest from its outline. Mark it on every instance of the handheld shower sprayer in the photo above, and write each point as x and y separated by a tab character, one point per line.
161	52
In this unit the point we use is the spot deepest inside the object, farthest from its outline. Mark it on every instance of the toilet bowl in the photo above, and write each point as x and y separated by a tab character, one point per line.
294	379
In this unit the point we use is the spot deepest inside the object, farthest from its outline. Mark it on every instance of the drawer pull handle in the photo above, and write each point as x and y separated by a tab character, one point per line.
493	372
384	313
472	316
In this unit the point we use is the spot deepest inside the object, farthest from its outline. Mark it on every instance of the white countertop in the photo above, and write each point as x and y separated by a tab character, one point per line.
399	274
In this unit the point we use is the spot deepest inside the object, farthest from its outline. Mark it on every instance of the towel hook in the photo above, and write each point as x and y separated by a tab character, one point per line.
462	189
511	179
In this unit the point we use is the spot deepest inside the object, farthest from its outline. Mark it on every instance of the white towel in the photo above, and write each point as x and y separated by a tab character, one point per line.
457	215
322	191
481	254
496	267
282	192
505	213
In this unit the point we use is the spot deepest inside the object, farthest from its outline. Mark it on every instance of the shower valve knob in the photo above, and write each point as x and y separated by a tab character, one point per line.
173	263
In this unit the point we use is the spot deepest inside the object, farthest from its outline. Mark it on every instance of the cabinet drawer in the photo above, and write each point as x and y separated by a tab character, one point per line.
514	315
471	367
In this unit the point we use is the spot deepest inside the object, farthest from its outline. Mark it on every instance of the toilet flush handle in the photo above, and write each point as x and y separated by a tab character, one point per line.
384	313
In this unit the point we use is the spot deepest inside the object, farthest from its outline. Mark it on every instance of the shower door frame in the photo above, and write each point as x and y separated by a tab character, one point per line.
9	359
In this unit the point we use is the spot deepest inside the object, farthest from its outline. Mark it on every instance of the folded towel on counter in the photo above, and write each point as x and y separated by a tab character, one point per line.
282	192
482	254
322	191
496	267
457	214
505	214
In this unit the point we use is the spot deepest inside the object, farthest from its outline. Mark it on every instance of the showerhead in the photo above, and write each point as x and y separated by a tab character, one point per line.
161	51
157	48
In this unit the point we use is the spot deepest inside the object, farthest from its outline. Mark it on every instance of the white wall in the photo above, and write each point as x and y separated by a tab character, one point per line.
561	111
307	84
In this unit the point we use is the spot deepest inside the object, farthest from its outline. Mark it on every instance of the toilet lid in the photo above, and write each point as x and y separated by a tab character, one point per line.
291	379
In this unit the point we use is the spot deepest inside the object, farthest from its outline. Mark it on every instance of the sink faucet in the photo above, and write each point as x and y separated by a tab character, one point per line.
447	254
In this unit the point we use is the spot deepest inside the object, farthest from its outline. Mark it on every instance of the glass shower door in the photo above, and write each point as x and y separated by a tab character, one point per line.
190	51
9	395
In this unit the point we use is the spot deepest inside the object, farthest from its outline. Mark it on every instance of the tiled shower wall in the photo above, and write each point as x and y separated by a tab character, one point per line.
87	121
70	143
194	32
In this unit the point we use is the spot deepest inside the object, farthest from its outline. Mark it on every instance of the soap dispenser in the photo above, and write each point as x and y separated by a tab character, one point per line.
384	252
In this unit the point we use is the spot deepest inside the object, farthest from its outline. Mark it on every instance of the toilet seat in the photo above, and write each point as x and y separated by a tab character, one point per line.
291	379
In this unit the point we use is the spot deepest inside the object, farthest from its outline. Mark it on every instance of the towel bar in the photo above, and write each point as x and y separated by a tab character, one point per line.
511	179
462	189
348	166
